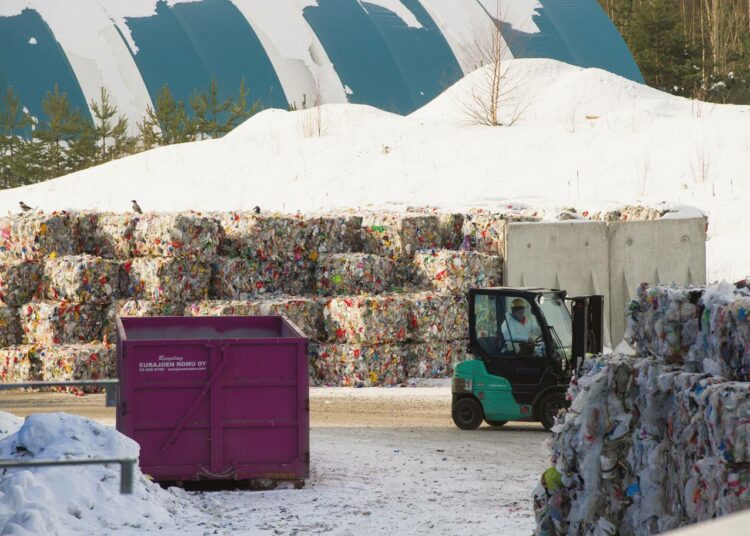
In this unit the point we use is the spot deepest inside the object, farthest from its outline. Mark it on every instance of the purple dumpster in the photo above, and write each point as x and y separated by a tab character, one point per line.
215	397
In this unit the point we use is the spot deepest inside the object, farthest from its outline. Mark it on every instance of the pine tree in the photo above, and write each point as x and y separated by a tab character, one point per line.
81	148
242	109
171	117
210	112
14	122
61	125
110	130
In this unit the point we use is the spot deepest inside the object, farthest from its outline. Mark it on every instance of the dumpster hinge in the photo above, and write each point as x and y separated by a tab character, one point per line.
123	408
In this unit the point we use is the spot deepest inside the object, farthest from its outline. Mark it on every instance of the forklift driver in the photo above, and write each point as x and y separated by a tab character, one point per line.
517	329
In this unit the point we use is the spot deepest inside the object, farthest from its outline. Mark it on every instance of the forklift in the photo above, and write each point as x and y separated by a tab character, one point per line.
526	343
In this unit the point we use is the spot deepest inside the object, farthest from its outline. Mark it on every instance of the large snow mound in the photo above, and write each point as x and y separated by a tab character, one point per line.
583	137
80	499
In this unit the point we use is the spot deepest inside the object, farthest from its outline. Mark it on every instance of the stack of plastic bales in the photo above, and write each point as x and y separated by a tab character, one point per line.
657	440
439	328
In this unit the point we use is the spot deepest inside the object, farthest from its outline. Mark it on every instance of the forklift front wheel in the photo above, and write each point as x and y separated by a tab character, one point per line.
467	413
549	407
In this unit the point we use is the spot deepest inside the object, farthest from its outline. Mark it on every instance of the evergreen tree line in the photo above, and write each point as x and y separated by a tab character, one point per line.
66	140
693	48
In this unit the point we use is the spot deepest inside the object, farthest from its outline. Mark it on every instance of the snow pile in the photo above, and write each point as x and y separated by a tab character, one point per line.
74	500
583	138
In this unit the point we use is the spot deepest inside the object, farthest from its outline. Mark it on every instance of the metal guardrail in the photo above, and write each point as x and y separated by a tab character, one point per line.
127	468
111	387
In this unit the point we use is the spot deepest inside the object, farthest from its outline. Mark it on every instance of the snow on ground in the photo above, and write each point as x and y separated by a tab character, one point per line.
84	499
384	461
584	137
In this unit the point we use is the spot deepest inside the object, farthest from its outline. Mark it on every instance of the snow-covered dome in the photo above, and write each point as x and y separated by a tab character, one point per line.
393	54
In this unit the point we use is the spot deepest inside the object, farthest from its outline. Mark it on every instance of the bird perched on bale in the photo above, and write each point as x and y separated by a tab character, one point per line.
137	207
24	206
256	209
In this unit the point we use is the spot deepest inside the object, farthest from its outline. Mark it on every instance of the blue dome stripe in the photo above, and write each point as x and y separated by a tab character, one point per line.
359	54
231	50
425	61
166	55
33	70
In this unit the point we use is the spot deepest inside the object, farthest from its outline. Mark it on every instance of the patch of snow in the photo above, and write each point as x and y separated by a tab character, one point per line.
396	7
32	41
9	424
348	90
83	500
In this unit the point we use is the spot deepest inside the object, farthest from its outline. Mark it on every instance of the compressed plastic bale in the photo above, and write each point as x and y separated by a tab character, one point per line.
368	319
167	279
82	278
19	364
330	233
484	231
240	278
664	321
47	322
435	359
456	271
265	237
354	273
176	235
35	235
305	313
79	362
400	235
354	365
450	225
438	317
137	308
221	308
20	281
629	213
107	235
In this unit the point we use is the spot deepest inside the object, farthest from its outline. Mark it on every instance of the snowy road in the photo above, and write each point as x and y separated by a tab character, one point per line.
384	461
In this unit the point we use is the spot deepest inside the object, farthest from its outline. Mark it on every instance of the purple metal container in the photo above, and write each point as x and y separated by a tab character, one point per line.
215	397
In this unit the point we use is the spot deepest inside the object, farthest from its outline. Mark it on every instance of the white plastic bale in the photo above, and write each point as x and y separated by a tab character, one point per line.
438	316
397	235
167	279
20	363
354	365
107	235
20	281
48	323
36	235
136	308
183	235
82	278
664	321
79	362
457	271
354	273
435	359
629	213
368	319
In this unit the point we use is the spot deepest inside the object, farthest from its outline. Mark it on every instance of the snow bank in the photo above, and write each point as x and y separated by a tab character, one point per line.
77	500
584	138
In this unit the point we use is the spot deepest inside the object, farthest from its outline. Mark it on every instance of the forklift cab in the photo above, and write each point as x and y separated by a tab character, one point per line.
523	343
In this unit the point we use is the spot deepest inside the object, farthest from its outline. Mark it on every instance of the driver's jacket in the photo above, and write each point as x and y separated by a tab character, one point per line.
515	331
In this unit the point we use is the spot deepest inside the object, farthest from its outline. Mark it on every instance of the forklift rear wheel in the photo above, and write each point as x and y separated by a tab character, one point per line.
467	414
549	407
496	423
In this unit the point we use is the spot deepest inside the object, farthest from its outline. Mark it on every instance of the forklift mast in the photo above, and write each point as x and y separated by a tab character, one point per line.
588	326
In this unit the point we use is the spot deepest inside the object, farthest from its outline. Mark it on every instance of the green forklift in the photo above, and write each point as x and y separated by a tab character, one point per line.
526	343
